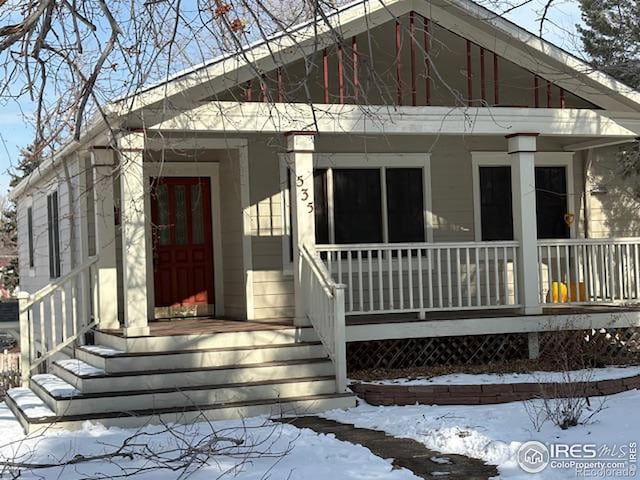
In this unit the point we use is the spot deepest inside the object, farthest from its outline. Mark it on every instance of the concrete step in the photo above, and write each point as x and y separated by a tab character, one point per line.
266	336
89	379
35	416
63	399
115	361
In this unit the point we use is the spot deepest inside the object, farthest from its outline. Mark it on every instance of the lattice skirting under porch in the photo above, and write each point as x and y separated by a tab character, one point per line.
579	348
592	347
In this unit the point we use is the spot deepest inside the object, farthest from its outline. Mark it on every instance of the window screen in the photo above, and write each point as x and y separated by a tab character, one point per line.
30	233
551	202
405	205
495	203
321	208
357	205
54	235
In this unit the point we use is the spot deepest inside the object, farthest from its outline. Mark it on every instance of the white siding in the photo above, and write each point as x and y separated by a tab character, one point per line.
32	279
615	211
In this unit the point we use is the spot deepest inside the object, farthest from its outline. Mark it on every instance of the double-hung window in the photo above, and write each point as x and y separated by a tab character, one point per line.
378	198
30	235
554	195
54	235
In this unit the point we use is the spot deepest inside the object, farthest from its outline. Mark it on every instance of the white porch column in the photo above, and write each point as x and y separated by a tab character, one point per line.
103	164
522	148
300	146
132	217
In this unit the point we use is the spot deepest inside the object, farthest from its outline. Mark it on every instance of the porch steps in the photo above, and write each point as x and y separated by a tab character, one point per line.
113	361
168	343
129	382
89	379
35	416
63	399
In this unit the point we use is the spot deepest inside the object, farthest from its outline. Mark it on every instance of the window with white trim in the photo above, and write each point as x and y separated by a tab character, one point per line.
30	236
54	235
362	200
493	195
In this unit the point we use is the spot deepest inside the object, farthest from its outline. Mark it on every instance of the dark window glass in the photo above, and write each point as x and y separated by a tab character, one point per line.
357	205
405	205
495	203
54	235
30	233
290	219
551	200
320	206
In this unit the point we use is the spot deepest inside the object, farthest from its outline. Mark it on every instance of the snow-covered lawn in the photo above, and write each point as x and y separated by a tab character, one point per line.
288	453
495	432
489	432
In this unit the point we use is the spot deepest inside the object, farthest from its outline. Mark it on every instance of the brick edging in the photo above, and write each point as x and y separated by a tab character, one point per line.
376	394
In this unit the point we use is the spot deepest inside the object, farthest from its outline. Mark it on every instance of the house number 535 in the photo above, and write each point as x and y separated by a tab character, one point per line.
304	193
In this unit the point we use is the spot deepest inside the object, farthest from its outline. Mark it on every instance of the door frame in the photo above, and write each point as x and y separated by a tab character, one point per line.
543	159
209	170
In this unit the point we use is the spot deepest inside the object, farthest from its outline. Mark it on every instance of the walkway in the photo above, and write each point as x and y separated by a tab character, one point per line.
404	452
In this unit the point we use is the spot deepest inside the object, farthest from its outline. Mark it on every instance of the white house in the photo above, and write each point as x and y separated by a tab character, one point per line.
421	169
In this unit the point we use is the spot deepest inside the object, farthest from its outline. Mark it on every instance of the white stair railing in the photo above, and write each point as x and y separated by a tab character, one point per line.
56	316
324	306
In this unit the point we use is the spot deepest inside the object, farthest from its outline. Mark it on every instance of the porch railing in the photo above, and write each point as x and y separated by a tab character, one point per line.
56	316
324	306
589	270
421	277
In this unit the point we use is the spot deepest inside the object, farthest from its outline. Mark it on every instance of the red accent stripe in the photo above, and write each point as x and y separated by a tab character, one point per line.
414	87
483	78
469	77
264	89
325	68
280	86
354	59
398	66
496	81
427	60
248	93
340	75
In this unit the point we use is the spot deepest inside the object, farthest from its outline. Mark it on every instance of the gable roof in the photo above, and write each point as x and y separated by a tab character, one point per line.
465	17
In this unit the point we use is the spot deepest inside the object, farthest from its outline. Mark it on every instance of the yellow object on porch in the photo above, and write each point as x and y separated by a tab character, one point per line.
577	294
560	293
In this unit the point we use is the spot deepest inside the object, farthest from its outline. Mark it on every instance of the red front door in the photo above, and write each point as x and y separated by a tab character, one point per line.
182	246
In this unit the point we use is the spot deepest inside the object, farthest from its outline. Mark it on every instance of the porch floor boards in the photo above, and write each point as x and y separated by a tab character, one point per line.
206	325
486	313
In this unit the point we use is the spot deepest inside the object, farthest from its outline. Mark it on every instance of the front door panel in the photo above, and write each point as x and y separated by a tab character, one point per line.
182	246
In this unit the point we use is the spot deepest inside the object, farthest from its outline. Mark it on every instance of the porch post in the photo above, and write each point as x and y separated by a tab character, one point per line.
103	164
134	251
522	148
300	146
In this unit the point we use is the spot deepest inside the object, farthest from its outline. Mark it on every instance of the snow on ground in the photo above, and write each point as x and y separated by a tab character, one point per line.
489	432
289	453
529	377
495	432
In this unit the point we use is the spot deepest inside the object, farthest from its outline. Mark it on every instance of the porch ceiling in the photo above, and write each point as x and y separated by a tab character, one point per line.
269	118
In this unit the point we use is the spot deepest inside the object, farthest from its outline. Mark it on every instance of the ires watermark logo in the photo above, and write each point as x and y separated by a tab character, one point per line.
586	459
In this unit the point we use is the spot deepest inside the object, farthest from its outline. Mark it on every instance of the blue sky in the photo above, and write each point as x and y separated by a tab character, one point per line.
16	133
